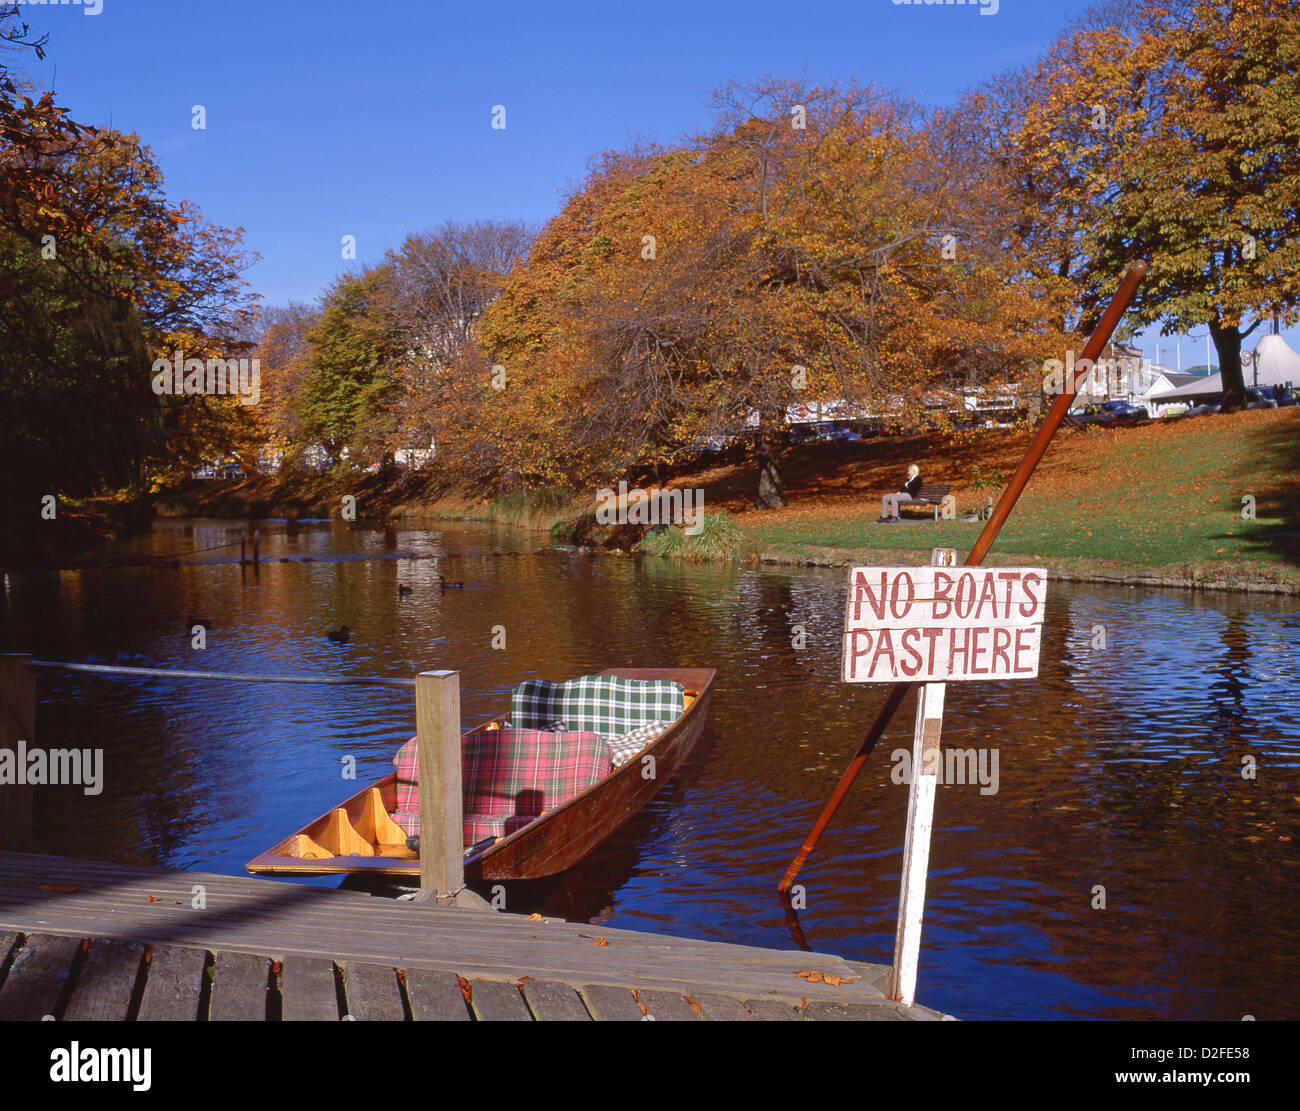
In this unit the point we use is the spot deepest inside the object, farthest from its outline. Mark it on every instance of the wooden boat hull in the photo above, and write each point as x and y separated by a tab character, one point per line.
554	842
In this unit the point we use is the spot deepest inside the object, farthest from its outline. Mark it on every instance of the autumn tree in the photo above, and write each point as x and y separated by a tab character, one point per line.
1167	130
100	274
814	245
440	283
345	401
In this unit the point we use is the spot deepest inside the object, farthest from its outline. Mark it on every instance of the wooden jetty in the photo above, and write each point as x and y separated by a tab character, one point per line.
90	940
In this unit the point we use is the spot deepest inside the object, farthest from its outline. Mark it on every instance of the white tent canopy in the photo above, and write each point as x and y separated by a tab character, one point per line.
1275	363
1272	363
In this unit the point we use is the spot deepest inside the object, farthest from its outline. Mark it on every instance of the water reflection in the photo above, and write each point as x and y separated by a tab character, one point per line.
1120	768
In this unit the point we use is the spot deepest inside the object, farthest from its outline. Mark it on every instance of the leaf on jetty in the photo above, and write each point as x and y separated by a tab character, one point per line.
464	988
644	1009
826	978
601	941
535	917
699	1011
152	899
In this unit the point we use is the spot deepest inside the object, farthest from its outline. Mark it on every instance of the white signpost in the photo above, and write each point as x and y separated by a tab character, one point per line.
936	625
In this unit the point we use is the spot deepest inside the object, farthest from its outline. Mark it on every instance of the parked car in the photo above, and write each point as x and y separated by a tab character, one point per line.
1202	410
1125	410
1092	414
1259	399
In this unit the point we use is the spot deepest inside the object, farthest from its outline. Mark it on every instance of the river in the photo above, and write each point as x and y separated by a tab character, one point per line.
1119	770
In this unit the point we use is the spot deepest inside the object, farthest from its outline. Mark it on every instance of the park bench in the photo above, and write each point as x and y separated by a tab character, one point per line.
934	495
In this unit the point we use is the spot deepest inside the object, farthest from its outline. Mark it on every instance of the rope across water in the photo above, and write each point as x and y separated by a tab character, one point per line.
231	676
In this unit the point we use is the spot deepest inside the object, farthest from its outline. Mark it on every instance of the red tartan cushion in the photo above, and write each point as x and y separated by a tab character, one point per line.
477	826
508	774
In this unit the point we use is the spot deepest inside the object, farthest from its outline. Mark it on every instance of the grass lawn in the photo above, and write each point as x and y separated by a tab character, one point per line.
1157	495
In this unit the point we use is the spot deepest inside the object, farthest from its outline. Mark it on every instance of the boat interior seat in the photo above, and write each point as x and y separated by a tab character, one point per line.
508	777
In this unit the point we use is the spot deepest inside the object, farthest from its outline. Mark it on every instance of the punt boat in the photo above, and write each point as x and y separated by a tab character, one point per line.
358	837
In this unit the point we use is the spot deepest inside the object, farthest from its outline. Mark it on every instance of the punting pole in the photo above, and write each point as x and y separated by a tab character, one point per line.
1051	422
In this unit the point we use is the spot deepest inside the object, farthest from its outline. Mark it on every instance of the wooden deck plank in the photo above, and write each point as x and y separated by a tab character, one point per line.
119	911
668	1006
37	977
552	1002
773	1010
722	1008
173	988
240	985
435	996
308	990
373	993
283	899
270	899
611	1004
262	918
106	982
821	1011
494	1001
433	949
485	957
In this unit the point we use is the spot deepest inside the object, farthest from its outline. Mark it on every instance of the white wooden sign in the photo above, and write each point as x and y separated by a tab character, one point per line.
943	624
932	625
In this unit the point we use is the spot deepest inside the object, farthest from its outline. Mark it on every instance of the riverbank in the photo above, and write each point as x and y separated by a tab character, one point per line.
1209	503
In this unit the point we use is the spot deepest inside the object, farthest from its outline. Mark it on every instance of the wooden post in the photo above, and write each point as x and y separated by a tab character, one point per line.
257	539
243	556
17	723
442	836
927	758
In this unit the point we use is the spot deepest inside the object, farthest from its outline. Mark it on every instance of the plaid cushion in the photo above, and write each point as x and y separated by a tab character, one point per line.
606	704
508	774
478	827
632	742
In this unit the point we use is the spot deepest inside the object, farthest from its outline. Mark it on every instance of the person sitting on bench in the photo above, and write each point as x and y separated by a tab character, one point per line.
907	496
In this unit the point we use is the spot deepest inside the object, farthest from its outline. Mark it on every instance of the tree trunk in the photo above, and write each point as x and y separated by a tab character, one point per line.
1227	342
770	494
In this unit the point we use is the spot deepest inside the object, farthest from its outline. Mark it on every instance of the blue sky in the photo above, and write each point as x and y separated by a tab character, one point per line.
328	118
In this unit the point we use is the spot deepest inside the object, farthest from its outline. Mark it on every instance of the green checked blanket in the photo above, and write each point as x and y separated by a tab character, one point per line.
604	704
